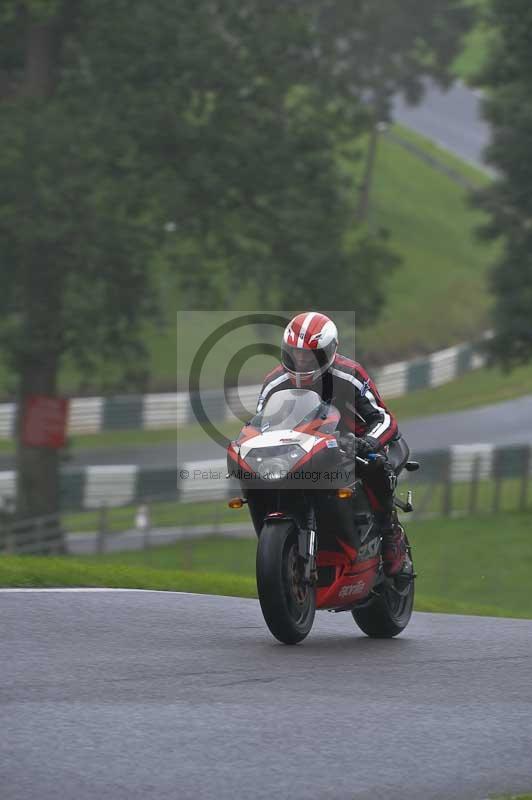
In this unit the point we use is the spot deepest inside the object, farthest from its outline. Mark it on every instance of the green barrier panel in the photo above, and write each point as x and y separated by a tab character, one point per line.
123	412
208	405
434	466
510	462
465	359
157	482
418	375
72	489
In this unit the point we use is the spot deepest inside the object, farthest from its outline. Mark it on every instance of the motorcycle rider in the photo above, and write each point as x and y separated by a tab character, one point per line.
309	359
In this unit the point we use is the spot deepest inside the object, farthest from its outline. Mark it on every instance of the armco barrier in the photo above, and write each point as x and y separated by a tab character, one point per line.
37	535
467	466
149	412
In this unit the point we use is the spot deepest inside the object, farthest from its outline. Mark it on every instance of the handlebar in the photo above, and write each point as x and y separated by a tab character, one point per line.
372	458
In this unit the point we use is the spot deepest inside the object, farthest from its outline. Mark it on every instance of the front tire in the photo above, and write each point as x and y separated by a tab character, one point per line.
389	612
288	605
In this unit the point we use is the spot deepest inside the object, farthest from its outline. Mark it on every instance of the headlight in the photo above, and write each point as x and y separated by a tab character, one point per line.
272	463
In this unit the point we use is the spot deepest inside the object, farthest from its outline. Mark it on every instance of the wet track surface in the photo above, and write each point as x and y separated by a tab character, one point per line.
139	694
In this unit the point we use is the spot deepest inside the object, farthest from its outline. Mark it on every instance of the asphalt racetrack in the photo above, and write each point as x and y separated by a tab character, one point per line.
131	694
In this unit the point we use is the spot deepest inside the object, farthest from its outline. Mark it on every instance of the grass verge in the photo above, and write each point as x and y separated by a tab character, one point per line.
475	176
477	45
39	571
432	225
165	513
476	565
512	797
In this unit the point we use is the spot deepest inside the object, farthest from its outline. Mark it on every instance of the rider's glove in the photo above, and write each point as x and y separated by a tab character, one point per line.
366	445
348	443
358	445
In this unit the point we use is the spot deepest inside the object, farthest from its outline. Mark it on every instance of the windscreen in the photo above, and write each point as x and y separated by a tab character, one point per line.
287	409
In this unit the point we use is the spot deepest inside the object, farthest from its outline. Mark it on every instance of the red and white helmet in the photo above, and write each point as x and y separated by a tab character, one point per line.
309	345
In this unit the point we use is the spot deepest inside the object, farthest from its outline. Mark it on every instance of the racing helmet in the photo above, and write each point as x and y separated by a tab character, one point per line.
309	346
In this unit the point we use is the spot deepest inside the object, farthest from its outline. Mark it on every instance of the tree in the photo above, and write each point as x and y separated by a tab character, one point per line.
281	208
75	228
120	117
508	199
385	48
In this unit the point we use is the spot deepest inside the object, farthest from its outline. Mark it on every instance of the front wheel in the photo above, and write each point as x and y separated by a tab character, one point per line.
389	612
287	602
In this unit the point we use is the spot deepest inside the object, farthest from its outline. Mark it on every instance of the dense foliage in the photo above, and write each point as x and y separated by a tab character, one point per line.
201	137
508	107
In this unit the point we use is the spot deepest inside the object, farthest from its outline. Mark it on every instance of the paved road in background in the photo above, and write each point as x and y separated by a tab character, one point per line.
501	424
126	695
452	119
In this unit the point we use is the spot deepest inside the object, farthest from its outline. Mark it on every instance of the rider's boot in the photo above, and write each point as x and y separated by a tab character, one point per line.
393	545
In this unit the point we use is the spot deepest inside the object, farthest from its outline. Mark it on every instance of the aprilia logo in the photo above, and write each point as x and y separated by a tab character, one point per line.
353	588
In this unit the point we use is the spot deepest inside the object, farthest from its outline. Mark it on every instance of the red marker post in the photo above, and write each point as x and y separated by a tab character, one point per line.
45	421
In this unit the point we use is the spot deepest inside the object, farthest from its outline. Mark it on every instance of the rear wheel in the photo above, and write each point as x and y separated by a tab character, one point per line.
287	602
389	612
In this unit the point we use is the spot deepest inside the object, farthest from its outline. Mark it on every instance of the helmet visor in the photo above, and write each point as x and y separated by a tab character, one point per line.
303	360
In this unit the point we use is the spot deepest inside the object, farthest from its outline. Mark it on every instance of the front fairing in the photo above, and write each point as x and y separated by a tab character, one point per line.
292	438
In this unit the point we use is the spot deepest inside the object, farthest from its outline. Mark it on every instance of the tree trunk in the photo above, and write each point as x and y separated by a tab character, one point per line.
38	71
365	189
37	467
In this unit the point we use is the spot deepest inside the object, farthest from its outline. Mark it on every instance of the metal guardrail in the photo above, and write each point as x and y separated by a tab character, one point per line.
157	411
139	508
198	481
37	535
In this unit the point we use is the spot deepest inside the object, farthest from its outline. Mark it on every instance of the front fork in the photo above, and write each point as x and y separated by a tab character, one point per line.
308	547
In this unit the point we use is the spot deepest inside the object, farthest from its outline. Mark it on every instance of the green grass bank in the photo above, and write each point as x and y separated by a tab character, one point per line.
476	565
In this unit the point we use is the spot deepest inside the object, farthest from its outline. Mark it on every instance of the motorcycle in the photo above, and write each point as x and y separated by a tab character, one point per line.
319	546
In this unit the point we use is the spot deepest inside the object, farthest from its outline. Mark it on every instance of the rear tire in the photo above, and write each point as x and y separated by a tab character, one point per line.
389	612
288	605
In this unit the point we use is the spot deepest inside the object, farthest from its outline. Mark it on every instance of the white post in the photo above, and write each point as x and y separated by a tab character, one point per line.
142	524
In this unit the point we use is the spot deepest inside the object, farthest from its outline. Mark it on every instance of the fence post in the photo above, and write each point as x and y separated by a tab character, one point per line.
40	537
102	530
188	553
147	529
7	518
9	538
523	493
447	488
473	493
497	489
217	521
143	524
